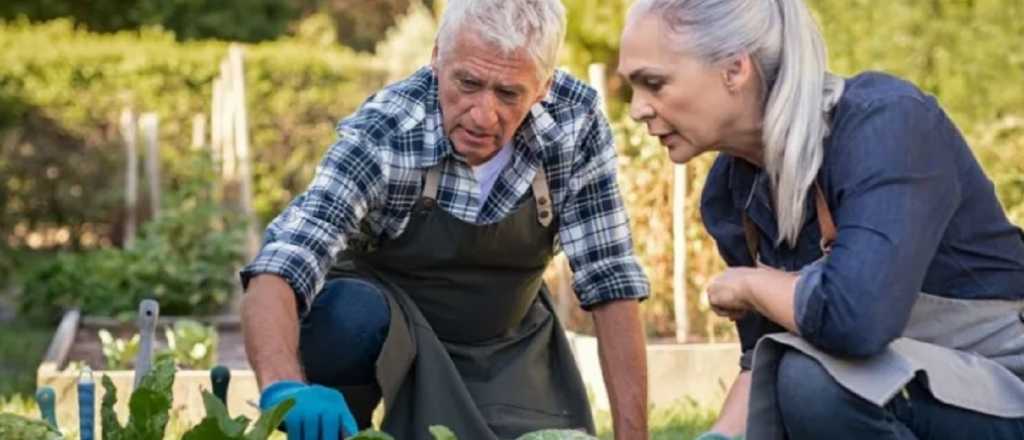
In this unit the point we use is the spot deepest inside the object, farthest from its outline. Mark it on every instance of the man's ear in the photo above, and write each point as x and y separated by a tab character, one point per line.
738	73
545	89
433	58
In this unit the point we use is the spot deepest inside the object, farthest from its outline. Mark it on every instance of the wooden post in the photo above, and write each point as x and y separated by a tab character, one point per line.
198	131
228	103
131	187
241	129
216	122
598	80
679	252
148	124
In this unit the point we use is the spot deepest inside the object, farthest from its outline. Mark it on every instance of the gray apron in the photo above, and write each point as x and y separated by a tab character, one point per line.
473	343
971	353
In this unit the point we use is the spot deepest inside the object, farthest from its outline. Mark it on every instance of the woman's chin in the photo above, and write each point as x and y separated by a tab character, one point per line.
682	152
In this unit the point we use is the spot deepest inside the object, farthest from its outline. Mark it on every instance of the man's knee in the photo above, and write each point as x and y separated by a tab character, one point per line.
343	334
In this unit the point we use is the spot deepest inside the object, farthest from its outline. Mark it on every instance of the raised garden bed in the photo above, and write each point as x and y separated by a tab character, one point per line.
75	342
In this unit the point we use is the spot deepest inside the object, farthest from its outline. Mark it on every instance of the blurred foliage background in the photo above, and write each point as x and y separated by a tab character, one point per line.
71	67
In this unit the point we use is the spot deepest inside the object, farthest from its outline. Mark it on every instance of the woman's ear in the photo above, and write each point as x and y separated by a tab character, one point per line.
738	73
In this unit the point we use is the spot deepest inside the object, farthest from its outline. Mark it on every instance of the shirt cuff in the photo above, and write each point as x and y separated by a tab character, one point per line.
808	301
623	279
294	264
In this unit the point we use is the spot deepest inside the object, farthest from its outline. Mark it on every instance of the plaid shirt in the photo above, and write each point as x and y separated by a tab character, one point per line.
367	183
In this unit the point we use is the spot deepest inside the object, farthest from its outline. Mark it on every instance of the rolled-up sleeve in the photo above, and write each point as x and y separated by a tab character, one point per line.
301	243
896	189
594	228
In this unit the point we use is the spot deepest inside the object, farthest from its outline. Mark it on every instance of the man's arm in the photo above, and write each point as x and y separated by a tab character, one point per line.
270	325
623	354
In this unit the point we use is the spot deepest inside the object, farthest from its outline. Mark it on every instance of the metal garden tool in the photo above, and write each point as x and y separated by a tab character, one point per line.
46	399
86	404
220	378
149	312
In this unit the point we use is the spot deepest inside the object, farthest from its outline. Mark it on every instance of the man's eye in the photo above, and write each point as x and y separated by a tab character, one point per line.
468	85
508	95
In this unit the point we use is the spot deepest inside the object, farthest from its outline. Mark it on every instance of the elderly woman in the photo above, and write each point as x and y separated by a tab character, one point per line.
861	235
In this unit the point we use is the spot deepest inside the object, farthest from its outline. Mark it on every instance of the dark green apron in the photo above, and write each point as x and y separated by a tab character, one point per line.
474	343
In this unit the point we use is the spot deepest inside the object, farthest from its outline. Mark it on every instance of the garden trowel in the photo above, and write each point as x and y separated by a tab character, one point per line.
149	312
46	399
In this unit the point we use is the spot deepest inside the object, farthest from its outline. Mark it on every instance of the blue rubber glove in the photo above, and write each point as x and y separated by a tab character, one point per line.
717	436
320	413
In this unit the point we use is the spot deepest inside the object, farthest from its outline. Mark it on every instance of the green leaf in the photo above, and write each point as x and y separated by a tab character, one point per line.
269	420
557	434
15	427
112	429
371	434
442	433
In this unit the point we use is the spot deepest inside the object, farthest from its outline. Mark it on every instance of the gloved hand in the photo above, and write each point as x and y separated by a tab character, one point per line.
717	436
320	413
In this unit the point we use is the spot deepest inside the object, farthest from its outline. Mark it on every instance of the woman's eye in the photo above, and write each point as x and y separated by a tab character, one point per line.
652	84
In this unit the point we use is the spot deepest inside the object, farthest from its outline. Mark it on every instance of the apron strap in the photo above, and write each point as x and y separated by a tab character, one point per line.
542	196
431	183
825	224
541	193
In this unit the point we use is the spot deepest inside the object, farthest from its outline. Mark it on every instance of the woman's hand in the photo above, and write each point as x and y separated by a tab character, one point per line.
729	292
770	292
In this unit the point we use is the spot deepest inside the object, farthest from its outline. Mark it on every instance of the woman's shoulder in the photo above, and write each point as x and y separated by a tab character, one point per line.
872	88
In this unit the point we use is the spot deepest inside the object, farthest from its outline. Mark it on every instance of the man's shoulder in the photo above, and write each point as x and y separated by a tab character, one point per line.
569	91
394	109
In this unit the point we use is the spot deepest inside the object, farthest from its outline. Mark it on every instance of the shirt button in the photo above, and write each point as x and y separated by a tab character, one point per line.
542	200
545	214
429	203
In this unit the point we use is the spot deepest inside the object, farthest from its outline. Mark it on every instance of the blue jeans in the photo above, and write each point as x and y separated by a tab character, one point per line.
342	335
814	406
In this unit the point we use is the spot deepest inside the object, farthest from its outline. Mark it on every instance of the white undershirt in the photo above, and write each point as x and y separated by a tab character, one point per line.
487	173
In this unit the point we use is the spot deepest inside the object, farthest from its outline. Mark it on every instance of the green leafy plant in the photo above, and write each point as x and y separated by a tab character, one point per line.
191	344
15	427
218	424
149	405
119	353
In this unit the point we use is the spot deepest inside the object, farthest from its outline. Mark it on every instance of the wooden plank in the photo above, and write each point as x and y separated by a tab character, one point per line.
596	72
241	126
57	352
130	136
679	252
149	125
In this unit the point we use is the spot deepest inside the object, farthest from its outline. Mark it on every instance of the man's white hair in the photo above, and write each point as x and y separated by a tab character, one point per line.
538	26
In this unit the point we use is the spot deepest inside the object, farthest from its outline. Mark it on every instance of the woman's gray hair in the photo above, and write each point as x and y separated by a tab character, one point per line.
538	26
788	50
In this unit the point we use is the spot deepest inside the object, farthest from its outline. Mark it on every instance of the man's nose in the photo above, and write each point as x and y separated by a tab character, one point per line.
485	111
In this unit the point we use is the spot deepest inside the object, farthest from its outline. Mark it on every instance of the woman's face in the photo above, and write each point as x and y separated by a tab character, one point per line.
689	105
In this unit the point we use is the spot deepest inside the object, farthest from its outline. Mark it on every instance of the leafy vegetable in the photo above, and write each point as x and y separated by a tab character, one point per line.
15	427
148	407
193	345
119	353
557	434
218	424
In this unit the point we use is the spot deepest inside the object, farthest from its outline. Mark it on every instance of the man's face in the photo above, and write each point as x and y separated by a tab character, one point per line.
485	94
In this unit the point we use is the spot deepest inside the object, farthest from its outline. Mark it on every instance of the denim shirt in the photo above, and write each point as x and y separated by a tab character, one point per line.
914	213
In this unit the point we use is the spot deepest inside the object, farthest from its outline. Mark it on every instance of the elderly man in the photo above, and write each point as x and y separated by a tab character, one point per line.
410	269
